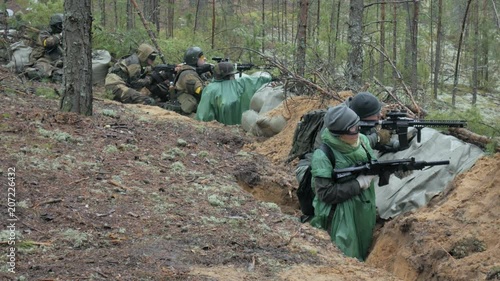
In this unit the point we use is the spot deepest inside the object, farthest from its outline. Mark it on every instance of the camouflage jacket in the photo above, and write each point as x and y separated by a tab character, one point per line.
188	81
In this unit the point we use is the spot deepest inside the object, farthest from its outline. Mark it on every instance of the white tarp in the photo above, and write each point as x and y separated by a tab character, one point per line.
417	189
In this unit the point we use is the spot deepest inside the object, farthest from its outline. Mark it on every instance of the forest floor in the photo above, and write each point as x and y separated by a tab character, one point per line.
140	193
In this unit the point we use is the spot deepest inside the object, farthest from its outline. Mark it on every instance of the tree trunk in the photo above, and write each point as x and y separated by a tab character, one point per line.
382	41
414	48
457	63
331	41
475	55
354	67
439	39
394	41
196	16
130	16
407	39
170	18
103	13
115	5
301	37
213	24
77	71
263	26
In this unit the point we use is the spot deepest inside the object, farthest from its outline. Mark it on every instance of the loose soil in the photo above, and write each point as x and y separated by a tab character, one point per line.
140	193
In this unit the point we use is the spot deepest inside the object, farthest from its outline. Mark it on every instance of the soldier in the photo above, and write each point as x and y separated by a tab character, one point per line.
46	60
130	74
368	108
226	98
346	209
188	83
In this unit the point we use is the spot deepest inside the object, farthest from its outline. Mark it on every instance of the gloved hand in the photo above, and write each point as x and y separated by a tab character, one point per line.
384	136
144	82
365	181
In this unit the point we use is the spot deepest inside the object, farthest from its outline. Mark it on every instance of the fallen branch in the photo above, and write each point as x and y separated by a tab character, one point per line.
50	201
117	184
106	214
78	181
471	137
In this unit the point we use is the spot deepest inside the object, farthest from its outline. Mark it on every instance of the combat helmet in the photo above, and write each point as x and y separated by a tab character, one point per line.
192	55
144	51
56	22
365	104
340	119
223	69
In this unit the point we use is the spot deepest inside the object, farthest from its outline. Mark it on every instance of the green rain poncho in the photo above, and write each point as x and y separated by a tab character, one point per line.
226	100
354	219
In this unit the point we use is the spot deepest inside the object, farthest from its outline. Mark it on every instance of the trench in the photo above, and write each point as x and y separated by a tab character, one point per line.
272	192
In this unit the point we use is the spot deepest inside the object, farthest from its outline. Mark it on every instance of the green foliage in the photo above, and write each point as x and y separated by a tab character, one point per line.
75	237
47	93
475	121
41	13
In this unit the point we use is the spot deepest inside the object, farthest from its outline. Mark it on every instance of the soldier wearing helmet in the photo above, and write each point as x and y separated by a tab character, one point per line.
353	197
368	108
188	84
46	60
226	98
131	74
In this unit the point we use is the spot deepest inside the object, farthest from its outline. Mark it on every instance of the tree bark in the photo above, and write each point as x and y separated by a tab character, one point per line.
302	37
77	71
394	36
130	16
170	18
103	13
459	50
354	67
475	55
439	39
382	41
414	48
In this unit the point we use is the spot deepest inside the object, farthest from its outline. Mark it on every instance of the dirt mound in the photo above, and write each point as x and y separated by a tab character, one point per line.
455	238
278	147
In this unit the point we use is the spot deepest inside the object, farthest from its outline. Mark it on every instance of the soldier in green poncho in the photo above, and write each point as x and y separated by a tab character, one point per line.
226	98
345	209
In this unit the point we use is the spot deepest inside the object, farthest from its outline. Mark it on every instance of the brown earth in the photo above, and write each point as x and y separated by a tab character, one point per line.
140	193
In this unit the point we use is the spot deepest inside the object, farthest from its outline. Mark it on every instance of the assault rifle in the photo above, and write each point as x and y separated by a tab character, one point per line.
240	67
162	72
384	169
398	122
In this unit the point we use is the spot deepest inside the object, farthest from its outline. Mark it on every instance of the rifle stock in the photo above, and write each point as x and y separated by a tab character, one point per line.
384	169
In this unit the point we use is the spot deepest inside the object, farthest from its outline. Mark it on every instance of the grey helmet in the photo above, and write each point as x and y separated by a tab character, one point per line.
224	69
56	22
340	119
192	55
365	104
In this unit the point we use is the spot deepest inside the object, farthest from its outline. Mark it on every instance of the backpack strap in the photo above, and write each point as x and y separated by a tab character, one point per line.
329	153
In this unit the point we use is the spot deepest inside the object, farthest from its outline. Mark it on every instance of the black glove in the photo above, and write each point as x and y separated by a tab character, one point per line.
140	83
160	76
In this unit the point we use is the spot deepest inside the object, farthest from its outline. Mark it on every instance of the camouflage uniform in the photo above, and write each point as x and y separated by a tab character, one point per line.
129	75
46	60
188	88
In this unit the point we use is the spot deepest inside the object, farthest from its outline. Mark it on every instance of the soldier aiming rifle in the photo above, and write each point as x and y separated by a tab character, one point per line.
398	122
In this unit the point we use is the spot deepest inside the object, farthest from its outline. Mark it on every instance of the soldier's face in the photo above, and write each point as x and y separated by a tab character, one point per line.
201	60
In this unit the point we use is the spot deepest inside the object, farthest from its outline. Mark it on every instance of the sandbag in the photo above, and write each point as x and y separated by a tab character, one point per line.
270	125
274	97
20	56
101	60
248	119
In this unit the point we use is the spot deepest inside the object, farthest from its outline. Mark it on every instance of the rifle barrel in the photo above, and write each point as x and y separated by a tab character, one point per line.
438	123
